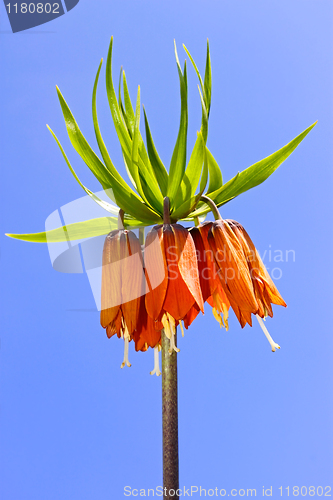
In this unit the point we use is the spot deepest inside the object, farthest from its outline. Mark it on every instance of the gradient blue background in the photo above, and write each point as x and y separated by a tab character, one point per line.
75	426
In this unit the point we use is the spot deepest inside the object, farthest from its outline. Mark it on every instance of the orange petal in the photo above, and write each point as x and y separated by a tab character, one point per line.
132	278
234	272
205	273
212	272
146	335
156	272
115	326
111	279
187	262
191	315
256	265
178	299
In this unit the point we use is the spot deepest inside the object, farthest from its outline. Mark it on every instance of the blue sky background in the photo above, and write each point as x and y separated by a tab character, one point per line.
75	426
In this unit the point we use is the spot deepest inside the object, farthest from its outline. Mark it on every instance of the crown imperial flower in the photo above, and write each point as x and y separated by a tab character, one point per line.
172	276
146	298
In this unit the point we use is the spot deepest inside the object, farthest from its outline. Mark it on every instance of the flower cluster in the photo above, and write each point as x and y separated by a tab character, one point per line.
148	291
150	288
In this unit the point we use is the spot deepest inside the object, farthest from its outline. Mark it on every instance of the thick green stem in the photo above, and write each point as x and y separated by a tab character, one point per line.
170	420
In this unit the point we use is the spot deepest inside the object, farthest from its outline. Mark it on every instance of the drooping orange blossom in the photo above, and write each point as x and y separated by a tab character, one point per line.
215	262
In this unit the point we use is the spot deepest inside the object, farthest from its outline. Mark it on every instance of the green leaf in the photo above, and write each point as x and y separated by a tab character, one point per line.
121	107
208	81
130	117
205	87
252	176
152	192
128	106
191	202
77	231
100	142
101	203
215	174
157	164
122	132
135	151
126	198
178	160
136	135
204	119
192	173
82	147
257	173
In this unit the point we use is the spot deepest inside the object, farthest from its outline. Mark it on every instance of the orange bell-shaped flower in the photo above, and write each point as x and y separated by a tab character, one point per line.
243	276
122	286
265	291
211	288
172	276
233	271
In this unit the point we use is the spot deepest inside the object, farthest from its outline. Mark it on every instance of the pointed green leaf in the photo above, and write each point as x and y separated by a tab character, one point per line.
190	203
135	145
257	173
252	176
153	195
121	130
215	174
82	147
204	119
128	106
157	164
205	101
178	160
121	107
131	118
77	231
101	203
100	142
125	197
208	81
192	173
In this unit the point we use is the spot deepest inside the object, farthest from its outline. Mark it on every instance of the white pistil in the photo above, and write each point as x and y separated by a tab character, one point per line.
156	371
126	361
274	345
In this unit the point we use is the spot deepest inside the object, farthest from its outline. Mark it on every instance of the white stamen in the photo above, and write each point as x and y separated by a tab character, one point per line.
181	327
274	345
156	371
126	361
